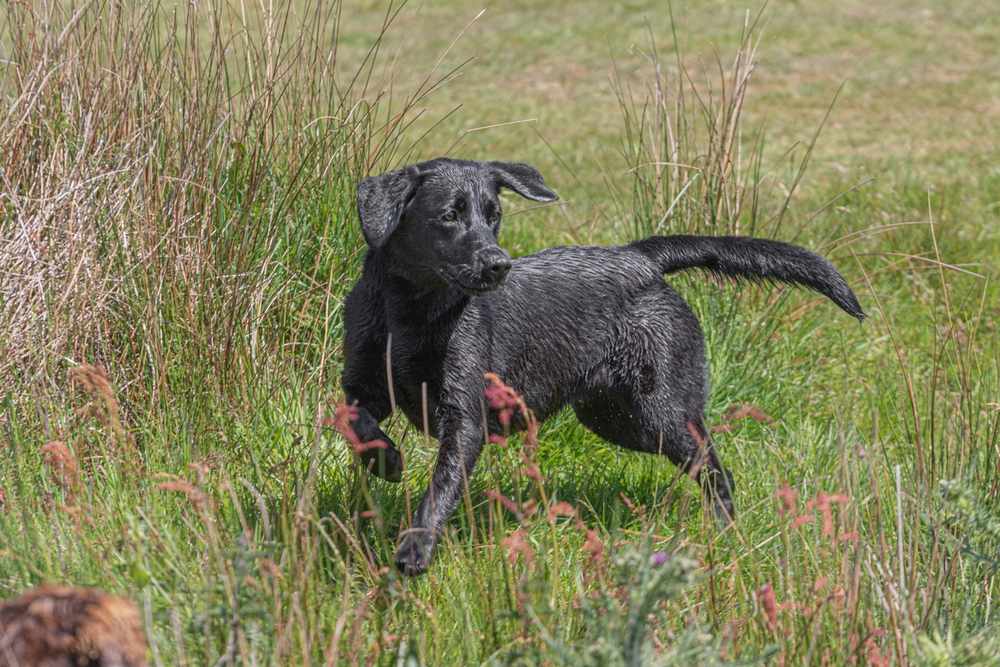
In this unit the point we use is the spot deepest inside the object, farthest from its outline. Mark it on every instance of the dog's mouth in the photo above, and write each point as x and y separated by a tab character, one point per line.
475	290
466	280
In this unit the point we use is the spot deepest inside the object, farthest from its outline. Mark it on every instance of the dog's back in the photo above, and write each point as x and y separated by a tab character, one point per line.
565	312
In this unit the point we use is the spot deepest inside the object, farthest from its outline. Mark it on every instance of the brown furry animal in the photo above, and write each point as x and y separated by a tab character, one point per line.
60	626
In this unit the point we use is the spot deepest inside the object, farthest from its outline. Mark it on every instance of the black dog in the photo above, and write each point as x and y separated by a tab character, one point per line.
596	328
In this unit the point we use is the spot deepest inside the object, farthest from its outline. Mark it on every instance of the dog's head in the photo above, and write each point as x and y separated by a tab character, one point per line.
438	221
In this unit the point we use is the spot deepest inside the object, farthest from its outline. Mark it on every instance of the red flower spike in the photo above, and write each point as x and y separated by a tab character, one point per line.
768	604
517	545
594	547
789	498
562	508
507	503
343	417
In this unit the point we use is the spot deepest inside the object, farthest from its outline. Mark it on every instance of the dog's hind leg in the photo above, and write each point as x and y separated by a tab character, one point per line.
649	392
704	465
633	424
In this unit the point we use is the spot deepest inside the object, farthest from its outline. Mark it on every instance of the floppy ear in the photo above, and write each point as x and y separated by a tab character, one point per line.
522	179
381	200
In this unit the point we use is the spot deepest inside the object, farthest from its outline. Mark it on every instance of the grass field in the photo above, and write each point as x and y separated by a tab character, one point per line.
177	233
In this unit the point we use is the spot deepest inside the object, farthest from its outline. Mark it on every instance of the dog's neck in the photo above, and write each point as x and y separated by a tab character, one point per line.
413	304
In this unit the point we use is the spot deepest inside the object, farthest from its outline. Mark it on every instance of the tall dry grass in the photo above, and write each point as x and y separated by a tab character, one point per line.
176	185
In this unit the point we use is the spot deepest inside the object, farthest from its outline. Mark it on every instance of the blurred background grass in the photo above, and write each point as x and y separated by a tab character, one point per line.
919	100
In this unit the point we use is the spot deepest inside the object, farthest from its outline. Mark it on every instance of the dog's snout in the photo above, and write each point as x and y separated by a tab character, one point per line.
494	263
496	270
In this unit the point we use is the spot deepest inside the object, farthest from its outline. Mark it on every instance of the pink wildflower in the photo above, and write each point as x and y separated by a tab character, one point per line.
343	418
768	604
789	498
516	545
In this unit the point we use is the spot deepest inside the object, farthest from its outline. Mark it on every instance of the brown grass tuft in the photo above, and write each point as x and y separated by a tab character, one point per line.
103	405
62	463
738	412
59	626
196	496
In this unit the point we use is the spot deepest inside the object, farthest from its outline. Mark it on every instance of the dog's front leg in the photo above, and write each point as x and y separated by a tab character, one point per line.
364	380
372	402
461	443
385	462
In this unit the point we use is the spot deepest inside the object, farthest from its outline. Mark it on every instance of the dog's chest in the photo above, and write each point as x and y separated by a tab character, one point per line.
417	363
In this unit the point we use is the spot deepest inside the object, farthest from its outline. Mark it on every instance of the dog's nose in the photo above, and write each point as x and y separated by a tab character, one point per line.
497	270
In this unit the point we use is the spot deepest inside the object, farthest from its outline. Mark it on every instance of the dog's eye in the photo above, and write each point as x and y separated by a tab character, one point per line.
450	216
492	212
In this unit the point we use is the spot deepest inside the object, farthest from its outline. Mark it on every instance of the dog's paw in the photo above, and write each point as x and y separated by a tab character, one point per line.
385	462
415	550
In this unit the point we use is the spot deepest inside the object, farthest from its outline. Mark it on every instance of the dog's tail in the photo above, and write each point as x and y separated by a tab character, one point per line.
744	258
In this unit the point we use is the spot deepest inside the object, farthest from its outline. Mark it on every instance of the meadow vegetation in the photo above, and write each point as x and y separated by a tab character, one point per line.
177	233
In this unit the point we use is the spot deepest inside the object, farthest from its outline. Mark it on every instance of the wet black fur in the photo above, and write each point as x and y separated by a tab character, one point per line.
596	328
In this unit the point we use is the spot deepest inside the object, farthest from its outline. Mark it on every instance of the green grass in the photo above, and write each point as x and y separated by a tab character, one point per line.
177	206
